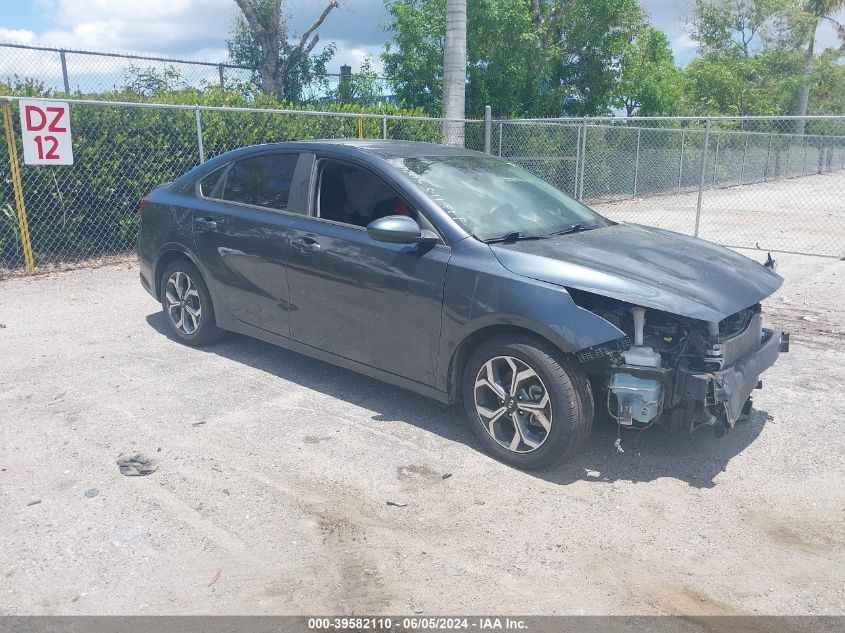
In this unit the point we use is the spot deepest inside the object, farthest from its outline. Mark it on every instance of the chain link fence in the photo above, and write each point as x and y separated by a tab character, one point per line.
88	210
745	183
92	73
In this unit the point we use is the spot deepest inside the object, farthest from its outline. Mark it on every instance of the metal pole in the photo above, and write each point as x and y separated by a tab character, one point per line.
222	77
577	161
637	162
583	161
501	128
384	126
488	125
199	133
788	147
17	188
716	159
744	155
63	59
701	177
681	161
768	155
804	160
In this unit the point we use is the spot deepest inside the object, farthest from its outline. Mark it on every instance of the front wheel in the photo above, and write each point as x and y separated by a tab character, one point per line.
527	403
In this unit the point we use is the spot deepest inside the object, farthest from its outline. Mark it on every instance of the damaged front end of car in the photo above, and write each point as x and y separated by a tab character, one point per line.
675	371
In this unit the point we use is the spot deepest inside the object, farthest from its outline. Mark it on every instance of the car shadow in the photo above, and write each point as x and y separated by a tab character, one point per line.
696	459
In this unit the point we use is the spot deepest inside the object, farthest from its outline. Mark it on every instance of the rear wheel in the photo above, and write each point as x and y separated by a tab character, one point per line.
186	304
528	404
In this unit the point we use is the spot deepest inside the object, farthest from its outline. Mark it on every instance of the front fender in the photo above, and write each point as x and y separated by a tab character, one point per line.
485	295
544	309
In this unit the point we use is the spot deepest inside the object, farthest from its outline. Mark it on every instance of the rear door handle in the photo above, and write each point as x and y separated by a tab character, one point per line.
306	245
206	223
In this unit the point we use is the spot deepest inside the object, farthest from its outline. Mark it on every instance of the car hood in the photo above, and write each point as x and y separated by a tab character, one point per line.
645	266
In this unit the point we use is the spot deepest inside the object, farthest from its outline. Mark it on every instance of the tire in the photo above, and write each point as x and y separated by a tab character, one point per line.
186	304
551	429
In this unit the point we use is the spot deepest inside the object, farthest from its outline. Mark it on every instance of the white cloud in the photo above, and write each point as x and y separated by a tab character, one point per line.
172	27
185	29
683	43
19	36
348	53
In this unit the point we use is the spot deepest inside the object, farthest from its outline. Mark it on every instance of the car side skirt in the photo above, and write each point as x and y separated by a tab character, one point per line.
339	361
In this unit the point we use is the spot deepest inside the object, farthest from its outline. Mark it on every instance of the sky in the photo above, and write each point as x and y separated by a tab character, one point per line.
197	29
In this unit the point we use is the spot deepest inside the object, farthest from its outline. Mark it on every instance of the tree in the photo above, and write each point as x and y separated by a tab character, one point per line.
536	58
363	88
805	16
737	27
735	85
455	70
649	82
744	69
260	40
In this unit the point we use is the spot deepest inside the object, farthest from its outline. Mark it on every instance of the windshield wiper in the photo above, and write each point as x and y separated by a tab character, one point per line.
511	236
575	228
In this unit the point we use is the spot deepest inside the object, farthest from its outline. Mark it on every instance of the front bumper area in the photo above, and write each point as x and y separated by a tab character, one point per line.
717	398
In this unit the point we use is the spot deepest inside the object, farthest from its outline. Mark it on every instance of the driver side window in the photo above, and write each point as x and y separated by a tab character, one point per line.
354	196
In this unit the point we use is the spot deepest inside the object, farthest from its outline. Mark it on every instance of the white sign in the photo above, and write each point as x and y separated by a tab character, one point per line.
46	133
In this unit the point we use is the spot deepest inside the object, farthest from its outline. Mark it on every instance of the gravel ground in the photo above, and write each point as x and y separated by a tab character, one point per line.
276	472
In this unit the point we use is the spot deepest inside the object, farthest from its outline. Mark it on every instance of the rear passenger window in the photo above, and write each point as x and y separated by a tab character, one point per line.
208	183
263	181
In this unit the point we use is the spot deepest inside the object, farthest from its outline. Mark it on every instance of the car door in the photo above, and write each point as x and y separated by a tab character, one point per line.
240	229
372	302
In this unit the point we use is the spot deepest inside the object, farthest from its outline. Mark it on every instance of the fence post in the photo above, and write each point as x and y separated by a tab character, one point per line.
744	155
768	155
701	177
804	159
199	133
17	188
788	149
716	158
63	59
583	160
222	77
488	124
637	162
501	129
681	160
577	174
384	126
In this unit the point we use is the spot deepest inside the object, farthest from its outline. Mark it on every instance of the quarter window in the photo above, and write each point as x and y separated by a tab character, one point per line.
208	183
263	181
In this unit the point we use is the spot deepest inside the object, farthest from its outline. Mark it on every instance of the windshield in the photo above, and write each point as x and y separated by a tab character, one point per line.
491	198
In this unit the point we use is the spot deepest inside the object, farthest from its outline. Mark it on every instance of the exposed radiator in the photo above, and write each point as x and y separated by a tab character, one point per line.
728	349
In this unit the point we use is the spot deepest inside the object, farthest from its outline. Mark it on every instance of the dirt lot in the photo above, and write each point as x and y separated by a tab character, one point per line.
800	215
275	473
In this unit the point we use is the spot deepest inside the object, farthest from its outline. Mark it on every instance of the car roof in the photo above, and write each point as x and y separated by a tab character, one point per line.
382	148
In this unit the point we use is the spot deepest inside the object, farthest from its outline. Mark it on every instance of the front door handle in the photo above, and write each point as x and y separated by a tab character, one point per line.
206	223
306	245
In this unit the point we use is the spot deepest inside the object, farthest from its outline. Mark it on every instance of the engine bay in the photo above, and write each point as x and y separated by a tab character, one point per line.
667	368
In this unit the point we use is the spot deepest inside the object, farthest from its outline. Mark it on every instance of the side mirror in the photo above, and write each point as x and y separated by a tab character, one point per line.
399	229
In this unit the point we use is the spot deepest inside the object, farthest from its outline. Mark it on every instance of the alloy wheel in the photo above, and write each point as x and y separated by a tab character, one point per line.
183	303
513	404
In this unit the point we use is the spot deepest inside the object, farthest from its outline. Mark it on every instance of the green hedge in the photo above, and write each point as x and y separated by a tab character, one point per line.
122	152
